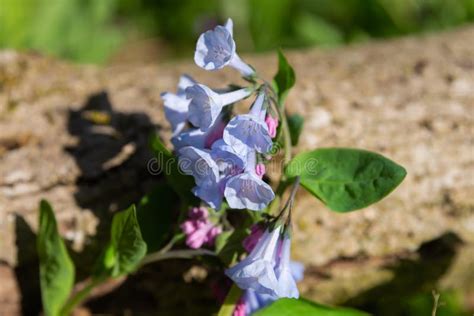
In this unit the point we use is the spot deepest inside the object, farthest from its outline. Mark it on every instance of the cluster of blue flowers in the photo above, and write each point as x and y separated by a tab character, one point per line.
222	153
225	155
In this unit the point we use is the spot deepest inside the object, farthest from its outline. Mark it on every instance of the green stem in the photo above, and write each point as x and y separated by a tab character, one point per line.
80	296
176	254
227	308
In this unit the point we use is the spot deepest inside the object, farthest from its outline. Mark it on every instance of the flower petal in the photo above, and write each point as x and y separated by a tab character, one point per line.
247	190
204	107
199	164
247	131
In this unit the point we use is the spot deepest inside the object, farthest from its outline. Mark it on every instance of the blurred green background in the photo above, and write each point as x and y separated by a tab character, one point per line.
101	31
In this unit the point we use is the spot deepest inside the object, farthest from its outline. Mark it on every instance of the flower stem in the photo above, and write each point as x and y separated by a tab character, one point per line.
176	254
227	308
80	296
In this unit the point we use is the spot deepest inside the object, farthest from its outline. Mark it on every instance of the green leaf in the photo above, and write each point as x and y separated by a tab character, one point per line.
127	242
295	124
229	245
290	307
155	215
168	163
346	179
56	267
285	79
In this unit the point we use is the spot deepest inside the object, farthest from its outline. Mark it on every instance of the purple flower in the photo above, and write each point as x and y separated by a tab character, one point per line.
248	190
199	164
286	282
206	105
256	271
249	130
197	138
198	229
211	193
229	161
176	105
215	49
254	301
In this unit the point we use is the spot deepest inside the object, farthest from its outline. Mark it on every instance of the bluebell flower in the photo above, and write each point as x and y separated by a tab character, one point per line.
176	105
199	164
256	271
297	270
211	193
200	139
229	161
286	282
215	49
255	301
249	130
248	190
206	105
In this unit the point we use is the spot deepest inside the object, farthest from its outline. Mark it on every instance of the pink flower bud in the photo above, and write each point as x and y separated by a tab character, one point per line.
260	169
212	234
188	227
272	124
240	308
198	213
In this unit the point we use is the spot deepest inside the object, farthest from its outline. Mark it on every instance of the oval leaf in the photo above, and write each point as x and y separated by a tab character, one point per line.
346	179
127	242
290	307
56	267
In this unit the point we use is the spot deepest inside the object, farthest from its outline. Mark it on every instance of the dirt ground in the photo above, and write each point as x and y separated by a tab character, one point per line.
409	99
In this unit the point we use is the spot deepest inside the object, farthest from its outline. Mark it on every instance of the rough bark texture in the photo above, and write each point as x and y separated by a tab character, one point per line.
410	99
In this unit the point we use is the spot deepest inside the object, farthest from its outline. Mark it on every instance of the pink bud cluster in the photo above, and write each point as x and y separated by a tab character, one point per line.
198	228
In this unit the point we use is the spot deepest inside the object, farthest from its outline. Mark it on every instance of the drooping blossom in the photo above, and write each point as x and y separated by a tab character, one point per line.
200	139
248	190
176	105
215	49
199	164
249	130
256	271
206	105
286	282
199	229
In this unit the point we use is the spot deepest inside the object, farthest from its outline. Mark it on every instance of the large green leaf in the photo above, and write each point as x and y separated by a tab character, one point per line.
346	179
127	244
56	267
285	78
292	307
